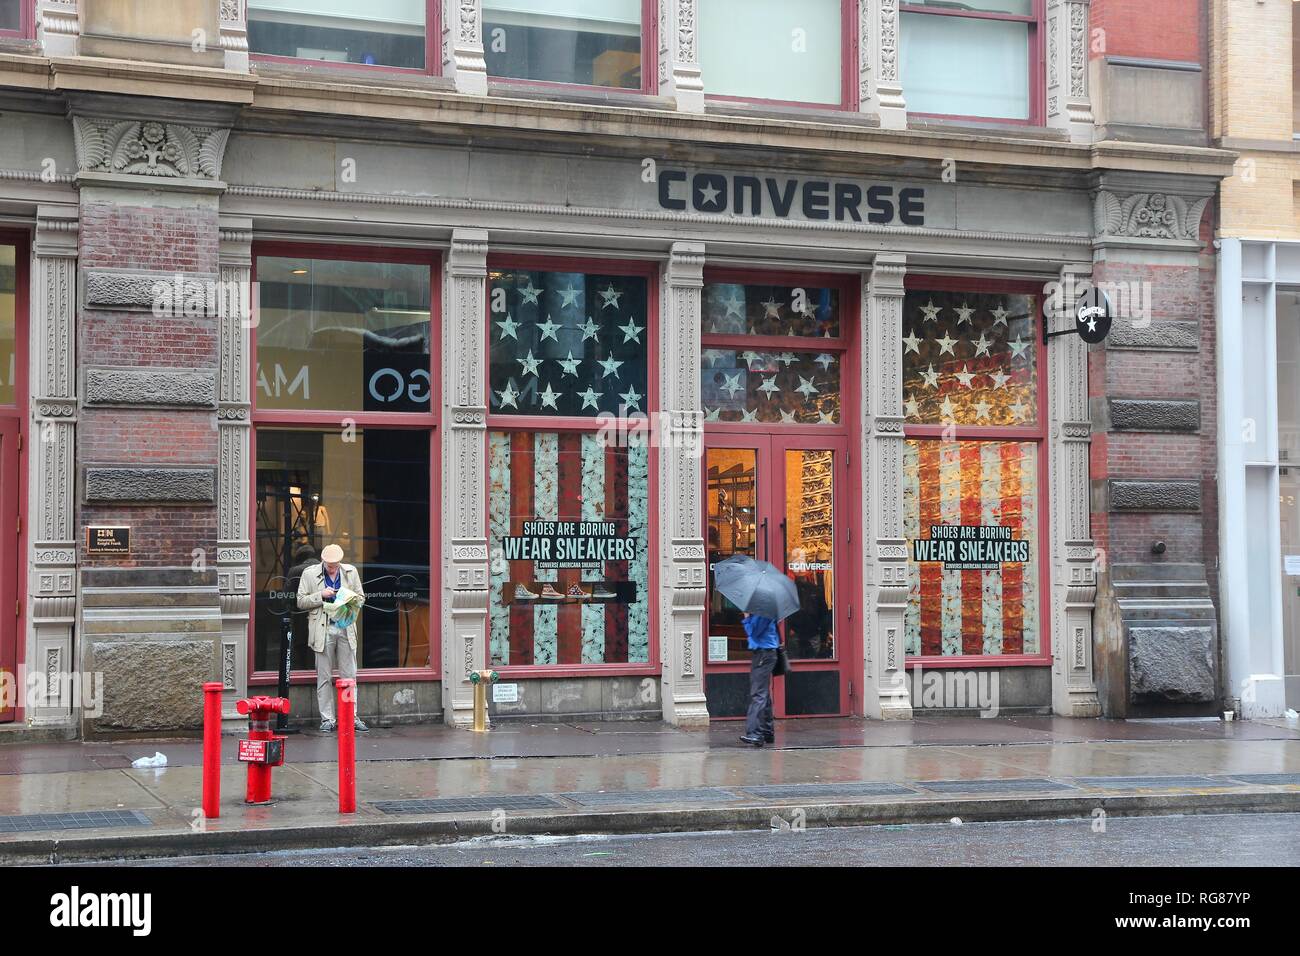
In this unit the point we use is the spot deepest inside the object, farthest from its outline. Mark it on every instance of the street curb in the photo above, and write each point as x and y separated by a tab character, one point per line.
447	829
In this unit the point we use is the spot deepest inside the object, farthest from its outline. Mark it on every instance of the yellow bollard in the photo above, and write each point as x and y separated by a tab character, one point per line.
480	680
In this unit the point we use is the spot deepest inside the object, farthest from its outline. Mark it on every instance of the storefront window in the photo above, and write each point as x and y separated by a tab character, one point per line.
367	490
567	344
8	319
375	32
971	59
970	358
772	49
971	479
775	377
569	533
343	335
592	42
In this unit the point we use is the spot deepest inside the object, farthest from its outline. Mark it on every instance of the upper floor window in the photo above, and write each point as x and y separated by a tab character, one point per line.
11	17
587	42
773	50
970	59
374	32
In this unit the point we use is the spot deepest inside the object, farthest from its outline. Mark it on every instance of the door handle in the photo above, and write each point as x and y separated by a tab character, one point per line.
765	550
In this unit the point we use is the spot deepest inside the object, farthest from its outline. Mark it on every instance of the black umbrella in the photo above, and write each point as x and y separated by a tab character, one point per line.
756	587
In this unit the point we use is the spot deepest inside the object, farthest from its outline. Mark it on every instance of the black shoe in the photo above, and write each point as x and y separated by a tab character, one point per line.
753	741
770	738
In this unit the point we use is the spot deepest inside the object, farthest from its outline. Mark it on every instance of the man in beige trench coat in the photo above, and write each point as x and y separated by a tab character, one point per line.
334	646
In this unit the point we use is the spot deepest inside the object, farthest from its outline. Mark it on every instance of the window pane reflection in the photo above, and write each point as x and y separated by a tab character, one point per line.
377	32
732	496
592	42
810	551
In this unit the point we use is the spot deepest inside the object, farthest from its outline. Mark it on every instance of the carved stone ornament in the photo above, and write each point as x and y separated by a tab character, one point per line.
165	150
1149	216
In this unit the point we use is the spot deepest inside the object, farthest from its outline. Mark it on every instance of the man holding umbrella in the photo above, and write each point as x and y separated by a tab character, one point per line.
766	596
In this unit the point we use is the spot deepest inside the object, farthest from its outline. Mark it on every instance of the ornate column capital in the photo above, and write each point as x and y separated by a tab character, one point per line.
57	27
679	63
234	34
462	46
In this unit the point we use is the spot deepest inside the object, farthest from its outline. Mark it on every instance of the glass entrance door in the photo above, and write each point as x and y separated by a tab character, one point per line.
9	555
777	499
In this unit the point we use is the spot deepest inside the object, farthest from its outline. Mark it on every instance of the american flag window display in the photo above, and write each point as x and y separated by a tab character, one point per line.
969	359
798	384
970	363
567	344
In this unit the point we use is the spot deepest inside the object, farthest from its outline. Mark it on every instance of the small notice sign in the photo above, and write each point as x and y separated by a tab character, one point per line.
1292	562
717	648
100	540
505	693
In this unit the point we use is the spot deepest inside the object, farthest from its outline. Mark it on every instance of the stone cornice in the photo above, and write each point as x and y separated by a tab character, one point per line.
317	101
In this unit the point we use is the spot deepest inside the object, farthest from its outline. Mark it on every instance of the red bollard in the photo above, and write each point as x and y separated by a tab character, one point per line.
212	750
347	691
263	749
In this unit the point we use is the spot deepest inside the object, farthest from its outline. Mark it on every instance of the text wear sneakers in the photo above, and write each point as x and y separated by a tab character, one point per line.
550	594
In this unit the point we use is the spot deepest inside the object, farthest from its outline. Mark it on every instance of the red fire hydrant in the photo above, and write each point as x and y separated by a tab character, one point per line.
263	749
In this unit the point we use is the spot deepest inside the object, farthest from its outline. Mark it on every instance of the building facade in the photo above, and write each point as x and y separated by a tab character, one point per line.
539	308
1254	84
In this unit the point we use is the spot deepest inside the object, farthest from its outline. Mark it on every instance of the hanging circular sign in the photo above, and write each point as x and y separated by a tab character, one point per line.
1092	315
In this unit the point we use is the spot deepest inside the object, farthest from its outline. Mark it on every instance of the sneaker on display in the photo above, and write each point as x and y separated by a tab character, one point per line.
550	594
523	594
602	593
576	591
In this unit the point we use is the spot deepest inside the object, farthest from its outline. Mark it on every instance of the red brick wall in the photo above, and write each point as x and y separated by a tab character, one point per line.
164	240
1159	29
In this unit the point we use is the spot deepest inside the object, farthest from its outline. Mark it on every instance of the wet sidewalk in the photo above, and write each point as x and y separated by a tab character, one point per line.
417	784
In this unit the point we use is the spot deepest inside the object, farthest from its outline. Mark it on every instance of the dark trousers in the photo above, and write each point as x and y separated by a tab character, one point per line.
759	719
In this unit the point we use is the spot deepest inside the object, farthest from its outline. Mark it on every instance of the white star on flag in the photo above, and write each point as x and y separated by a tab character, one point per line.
1000	316
912	342
931	312
749	415
769	385
1018	410
610	297
982	346
911	408
787	417
631	399
825	418
773	308
570	364
610	366
807	387
508	327
631	332
946	344
589	330
750	358
786	358
731	384
530	364
548	396
964	376
548	330
509	395
964	313
825	361
590	397
735	305
713	355
530	293
711	414
931	377
569	297
982	409
947	409
1018	346
999	378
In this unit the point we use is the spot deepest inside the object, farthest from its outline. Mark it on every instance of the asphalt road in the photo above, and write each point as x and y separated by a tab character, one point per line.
1247	839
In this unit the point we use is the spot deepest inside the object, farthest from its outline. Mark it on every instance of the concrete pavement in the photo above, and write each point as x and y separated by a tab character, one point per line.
434	784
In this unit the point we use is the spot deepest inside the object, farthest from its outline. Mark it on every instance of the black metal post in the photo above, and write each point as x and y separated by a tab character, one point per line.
286	662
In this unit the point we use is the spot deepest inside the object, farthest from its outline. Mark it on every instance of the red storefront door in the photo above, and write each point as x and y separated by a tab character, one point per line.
780	499
9	564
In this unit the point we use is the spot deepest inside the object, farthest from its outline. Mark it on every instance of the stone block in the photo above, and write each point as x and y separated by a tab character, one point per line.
151	685
1171	664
